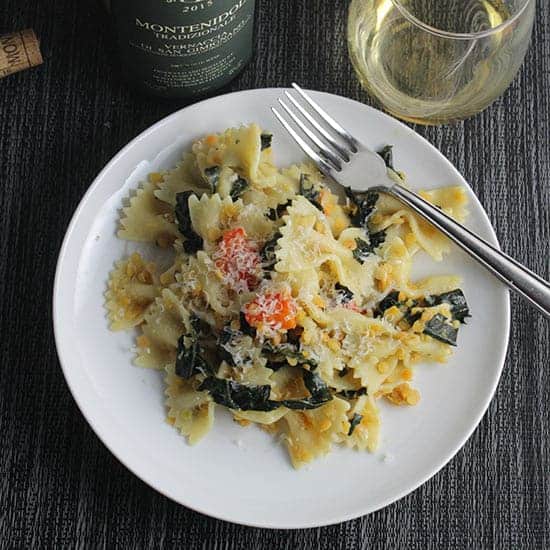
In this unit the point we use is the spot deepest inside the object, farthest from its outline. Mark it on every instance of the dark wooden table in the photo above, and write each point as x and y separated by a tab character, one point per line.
60	123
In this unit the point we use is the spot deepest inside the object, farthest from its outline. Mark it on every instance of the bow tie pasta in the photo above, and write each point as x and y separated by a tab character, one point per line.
292	309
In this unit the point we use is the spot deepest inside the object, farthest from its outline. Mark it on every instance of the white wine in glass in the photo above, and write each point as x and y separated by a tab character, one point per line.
437	61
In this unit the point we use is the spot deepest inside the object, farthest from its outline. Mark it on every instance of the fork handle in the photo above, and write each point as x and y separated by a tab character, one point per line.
514	275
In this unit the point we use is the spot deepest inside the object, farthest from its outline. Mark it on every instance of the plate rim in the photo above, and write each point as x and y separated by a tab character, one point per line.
148	479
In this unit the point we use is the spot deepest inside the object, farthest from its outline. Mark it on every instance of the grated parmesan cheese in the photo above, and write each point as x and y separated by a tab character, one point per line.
238	260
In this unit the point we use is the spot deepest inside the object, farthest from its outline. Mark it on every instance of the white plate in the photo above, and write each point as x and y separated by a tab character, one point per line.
242	474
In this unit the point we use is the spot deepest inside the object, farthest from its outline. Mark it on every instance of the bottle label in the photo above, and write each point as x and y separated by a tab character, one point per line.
184	47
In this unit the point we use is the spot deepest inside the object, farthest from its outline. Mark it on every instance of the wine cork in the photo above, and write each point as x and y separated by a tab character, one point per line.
19	51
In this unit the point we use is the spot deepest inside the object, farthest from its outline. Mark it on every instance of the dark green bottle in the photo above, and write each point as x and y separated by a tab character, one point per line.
183	48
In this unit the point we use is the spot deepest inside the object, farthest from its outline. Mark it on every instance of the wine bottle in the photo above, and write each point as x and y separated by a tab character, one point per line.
183	48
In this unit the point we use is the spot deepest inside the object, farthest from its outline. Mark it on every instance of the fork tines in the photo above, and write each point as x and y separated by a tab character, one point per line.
334	144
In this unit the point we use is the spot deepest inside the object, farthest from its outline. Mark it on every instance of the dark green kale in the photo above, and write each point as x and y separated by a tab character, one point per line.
228	341
439	328
320	393
352	394
275	214
256	398
193	241
391	300
387	155
355	421
286	351
310	191
198	326
364	205
344	294
293	336
457	301
276	365
266	140
364	249
377	239
268	254
411	317
245	327
212	177
238	396
189	359
238	187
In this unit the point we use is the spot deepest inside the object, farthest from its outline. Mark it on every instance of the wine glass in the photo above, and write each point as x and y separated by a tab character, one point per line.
438	61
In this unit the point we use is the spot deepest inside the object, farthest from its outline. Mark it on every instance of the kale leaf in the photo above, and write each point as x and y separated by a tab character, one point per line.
190	356
293	336
377	239
193	242
310	191
411	317
387	155
256	398
198	326
343	372
266	140
229	341
245	327
438	327
457	301
364	205
391	300
238	396
364	249
355	421
239	186
287	351
345	295
212	176
276	365
189	359
353	394
268	253
320	393
275	214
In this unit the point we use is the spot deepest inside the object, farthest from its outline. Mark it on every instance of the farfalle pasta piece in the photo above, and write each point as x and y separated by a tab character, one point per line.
148	219
131	291
189	411
311	434
165	321
184	177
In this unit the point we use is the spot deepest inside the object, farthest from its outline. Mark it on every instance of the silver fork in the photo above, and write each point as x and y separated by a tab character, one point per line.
344	159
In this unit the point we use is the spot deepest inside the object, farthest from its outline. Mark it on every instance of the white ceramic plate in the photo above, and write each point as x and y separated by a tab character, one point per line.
242	474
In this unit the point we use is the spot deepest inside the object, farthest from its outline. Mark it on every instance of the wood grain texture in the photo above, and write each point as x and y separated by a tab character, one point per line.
60	123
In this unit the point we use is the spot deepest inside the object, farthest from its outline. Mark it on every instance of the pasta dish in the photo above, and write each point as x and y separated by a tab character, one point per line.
289	306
